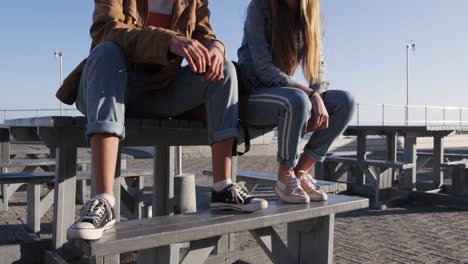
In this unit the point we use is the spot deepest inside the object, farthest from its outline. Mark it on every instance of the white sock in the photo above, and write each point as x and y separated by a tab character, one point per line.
219	186
110	199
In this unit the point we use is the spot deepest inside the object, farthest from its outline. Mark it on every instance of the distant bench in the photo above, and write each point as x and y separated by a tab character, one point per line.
424	157
37	204
459	172
310	232
26	166
379	175
29	152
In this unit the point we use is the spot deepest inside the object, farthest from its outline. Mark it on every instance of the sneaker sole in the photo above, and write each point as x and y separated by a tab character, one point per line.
88	234
289	199
241	208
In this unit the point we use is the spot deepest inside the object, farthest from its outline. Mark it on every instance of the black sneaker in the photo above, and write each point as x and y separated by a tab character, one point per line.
96	216
236	197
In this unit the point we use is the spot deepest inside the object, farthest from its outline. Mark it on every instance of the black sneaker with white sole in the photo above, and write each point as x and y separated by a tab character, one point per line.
236	197
96	216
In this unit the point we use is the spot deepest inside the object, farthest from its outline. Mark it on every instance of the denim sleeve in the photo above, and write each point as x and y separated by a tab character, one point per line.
260	49
323	84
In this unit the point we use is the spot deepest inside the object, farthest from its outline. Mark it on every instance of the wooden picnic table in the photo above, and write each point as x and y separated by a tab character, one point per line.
410	134
66	134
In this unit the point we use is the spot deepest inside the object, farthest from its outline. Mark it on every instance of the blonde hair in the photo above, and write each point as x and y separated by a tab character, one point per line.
288	31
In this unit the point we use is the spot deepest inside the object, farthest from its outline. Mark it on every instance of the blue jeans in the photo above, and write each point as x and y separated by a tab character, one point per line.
289	109
109	91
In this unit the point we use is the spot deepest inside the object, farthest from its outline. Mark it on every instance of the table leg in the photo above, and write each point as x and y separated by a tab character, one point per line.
311	241
64	194
409	175
163	204
163	181
438	159
4	157
391	140
358	176
391	155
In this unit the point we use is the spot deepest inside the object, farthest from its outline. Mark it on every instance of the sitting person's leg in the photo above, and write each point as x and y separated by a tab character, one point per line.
220	97
289	109
101	99
340	107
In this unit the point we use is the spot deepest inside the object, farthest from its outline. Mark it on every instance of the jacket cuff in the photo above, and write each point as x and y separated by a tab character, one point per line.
320	87
164	37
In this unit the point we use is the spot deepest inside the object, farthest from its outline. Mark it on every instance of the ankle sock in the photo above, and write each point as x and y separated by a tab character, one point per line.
110	198
219	186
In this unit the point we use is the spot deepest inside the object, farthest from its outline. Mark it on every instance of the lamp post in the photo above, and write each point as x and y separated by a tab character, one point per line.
411	45
58	55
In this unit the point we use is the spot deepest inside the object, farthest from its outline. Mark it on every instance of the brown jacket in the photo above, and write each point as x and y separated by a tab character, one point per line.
123	22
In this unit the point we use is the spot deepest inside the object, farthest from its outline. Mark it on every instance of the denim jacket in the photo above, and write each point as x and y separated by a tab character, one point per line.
255	54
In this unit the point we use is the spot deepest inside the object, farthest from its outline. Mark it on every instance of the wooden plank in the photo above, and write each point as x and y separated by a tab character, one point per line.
163	204
51	257
48	176
140	237
199	250
33	214
27	177
369	162
37	162
437	160
45	121
163	181
4	158
160	255
272	245
311	241
409	175
46	202
64	195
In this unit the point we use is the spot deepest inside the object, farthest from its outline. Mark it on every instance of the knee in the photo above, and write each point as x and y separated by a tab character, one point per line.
348	103
300	103
229	70
229	82
108	53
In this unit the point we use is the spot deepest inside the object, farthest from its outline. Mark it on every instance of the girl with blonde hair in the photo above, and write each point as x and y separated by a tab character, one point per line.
278	36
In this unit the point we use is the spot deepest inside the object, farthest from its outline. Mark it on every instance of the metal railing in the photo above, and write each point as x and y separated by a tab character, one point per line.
392	114
366	114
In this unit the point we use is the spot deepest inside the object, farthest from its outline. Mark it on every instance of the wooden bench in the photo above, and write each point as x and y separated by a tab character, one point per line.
66	134
37	204
30	153
459	172
424	157
27	165
379	176
253	179
310	232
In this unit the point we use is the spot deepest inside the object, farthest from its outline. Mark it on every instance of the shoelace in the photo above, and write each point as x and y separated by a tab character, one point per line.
311	182
240	192
292	183
94	210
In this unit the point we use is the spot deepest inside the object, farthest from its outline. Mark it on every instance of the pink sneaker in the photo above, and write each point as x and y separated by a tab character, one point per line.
308	185
291	191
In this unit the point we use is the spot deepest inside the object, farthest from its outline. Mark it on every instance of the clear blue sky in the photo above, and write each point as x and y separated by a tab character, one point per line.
364	47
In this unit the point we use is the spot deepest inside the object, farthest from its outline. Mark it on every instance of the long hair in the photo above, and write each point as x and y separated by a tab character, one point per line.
288	31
